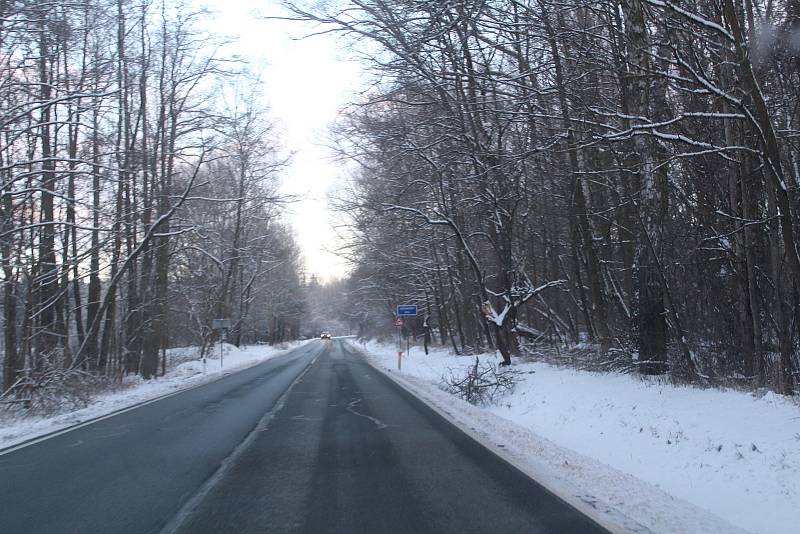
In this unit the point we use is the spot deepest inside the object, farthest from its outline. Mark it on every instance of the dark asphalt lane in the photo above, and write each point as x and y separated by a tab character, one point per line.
347	451
131	473
352	452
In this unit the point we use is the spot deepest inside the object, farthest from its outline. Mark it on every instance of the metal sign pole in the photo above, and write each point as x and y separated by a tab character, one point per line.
398	322
409	310
221	347
399	348
222	326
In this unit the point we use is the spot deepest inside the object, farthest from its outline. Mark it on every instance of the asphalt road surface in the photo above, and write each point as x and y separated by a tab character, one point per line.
315	441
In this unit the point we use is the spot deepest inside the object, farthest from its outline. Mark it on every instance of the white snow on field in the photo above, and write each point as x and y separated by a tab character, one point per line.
668	458
135	390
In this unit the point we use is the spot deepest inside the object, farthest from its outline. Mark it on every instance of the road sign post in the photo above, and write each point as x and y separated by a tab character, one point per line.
398	322
403	310
222	347
223	325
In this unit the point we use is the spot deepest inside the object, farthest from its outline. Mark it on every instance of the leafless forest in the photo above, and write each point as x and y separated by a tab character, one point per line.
623	174
139	193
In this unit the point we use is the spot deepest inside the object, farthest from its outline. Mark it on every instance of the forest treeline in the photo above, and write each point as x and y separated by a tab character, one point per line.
139	180
623	173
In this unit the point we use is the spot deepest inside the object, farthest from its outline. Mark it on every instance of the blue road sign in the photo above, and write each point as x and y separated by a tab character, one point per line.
406	309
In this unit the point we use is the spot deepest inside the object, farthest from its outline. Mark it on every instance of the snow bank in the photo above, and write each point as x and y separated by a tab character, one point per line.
185	373
668	458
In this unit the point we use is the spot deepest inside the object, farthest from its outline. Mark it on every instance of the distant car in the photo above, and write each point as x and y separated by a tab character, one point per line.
325	335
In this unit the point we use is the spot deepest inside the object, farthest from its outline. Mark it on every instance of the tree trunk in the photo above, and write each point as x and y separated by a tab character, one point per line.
47	283
652	326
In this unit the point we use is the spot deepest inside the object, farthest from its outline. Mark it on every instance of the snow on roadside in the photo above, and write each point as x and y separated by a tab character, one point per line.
135	390
668	458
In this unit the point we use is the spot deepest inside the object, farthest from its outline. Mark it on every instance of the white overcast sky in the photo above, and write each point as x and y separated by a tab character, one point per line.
305	83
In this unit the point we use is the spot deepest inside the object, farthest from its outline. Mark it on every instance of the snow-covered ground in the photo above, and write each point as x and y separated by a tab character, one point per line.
636	451
135	390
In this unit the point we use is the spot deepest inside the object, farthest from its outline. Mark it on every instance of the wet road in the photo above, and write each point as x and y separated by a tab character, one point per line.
343	450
